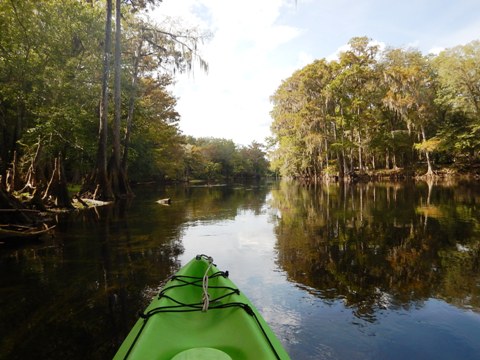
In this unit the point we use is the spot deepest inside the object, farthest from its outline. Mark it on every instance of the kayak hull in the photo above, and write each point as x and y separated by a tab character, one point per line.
176	322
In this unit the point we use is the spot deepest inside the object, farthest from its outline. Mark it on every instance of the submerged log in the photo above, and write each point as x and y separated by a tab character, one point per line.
13	232
166	201
13	209
18	221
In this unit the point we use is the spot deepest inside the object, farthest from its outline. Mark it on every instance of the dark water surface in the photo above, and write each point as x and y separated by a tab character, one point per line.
377	271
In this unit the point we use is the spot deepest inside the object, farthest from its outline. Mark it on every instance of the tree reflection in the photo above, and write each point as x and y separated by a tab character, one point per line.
77	295
378	246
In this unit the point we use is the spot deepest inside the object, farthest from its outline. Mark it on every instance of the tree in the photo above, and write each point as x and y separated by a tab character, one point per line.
98	182
176	49
287	101
250	162
459	95
357	92
459	75
347	116
51	72
411	93
325	111
156	143
117	173
48	72
150	50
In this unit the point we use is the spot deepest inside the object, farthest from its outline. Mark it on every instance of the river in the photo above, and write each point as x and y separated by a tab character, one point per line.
365	271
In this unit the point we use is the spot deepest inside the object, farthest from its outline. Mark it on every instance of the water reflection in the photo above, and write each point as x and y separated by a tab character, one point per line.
73	293
338	271
381	246
77	295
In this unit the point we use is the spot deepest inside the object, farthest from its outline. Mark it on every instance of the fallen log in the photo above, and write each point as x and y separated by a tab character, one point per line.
13	231
166	201
20	210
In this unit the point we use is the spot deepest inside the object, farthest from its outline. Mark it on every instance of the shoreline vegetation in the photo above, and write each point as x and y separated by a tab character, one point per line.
400	174
374	109
369	115
22	220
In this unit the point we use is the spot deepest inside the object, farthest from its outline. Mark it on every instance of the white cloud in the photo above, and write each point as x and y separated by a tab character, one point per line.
256	44
183	10
412	45
304	59
231	101
436	50
461	36
334	56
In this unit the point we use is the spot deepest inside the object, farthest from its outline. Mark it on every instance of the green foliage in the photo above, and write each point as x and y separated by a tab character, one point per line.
365	110
213	159
459	74
51	56
369	108
459	97
430	145
49	77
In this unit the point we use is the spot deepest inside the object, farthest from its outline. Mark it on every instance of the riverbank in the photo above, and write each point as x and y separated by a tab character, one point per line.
418	173
24	216
25	208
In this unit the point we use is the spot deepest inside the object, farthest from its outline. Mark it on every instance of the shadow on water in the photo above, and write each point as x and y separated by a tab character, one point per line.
73	293
76	295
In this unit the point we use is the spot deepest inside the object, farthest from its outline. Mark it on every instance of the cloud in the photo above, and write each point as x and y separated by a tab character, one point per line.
231	101
256	44
346	47
304	59
436	50
336	54
461	36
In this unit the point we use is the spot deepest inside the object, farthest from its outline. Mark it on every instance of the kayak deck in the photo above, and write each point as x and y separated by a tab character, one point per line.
183	322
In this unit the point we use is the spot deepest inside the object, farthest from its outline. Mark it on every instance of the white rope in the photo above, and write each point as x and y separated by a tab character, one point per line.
206	296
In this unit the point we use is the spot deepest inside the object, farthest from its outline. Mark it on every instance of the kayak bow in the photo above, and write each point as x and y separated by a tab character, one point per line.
201	314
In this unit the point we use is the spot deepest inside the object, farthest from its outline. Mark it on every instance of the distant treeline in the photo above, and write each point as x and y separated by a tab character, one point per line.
220	159
379	109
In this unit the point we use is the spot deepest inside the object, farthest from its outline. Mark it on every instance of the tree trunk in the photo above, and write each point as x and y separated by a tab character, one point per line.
57	191
4	150
344	156
11	175
35	176
131	106
117	85
360	154
360	141
116	174
104	190
97	185
427	154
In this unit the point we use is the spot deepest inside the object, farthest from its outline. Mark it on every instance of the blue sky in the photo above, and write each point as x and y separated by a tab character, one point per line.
258	43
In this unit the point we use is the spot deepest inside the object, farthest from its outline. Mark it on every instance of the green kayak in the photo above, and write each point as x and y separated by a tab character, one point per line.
201	314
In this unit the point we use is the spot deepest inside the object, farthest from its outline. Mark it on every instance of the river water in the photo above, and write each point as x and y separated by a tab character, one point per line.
366	271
